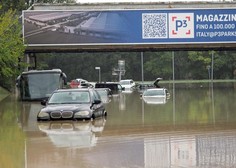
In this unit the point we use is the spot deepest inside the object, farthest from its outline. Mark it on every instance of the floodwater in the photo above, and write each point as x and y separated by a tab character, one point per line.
193	128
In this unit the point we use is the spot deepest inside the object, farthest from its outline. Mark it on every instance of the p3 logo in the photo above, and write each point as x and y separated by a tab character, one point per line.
181	25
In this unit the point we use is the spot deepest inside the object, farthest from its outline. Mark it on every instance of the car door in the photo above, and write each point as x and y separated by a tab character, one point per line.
98	108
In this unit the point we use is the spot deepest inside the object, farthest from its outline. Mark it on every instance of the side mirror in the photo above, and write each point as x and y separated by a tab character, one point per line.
141	95
44	102
97	101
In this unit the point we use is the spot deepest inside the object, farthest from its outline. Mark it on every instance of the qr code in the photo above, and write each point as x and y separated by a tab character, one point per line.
154	25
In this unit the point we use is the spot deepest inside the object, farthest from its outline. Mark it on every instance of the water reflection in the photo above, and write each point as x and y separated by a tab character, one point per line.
128	90
73	134
215	149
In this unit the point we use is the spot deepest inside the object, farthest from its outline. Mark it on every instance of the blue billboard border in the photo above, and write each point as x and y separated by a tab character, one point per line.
178	10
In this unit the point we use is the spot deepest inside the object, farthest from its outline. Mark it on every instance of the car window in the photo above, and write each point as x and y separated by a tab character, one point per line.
119	87
83	97
69	97
96	95
124	82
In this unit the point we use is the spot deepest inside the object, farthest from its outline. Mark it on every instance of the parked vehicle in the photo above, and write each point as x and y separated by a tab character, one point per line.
79	83
127	83
155	84
155	96
39	84
72	104
105	94
115	87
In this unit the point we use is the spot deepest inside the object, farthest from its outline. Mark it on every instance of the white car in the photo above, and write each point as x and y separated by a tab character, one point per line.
127	83
155	96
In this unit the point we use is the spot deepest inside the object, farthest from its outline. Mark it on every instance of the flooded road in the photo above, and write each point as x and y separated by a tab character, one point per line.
193	128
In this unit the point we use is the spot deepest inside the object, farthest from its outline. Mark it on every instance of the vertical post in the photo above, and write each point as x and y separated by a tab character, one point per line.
212	89
27	60
142	66
173	78
173	66
212	65
99	73
35	61
119	75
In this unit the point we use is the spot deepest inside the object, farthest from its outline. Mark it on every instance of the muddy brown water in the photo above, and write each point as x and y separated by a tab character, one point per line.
193	128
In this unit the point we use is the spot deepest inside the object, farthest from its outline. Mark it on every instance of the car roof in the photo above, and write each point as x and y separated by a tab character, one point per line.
126	80
78	79
76	89
157	89
102	88
109	83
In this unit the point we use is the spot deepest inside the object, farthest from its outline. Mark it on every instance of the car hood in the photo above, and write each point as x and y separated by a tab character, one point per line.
66	107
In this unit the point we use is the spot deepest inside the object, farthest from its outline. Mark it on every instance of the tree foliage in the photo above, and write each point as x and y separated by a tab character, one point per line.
11	46
55	1
20	5
188	64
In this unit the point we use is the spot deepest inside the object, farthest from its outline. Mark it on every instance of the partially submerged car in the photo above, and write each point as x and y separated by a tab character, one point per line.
105	94
127	83
72	104
79	83
155	84
155	96
115	87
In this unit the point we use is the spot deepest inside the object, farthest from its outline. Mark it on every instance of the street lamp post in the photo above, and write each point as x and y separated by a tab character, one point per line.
209	71
99	73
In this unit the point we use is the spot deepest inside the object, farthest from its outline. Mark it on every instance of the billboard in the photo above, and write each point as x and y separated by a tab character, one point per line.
126	27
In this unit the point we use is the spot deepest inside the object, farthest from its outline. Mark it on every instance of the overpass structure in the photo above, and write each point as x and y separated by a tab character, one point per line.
130	27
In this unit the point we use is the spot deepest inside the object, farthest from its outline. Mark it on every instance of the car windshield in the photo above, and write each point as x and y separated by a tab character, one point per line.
70	97
154	93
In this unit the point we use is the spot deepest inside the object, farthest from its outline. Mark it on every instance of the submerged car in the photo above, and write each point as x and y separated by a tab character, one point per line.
72	104
127	83
105	94
115	87
155	96
79	83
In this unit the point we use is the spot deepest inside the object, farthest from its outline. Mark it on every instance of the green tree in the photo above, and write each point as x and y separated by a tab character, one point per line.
224	64
158	64
199	62
11	47
17	5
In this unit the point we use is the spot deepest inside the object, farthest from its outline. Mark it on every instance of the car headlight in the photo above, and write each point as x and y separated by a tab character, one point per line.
43	115
81	113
